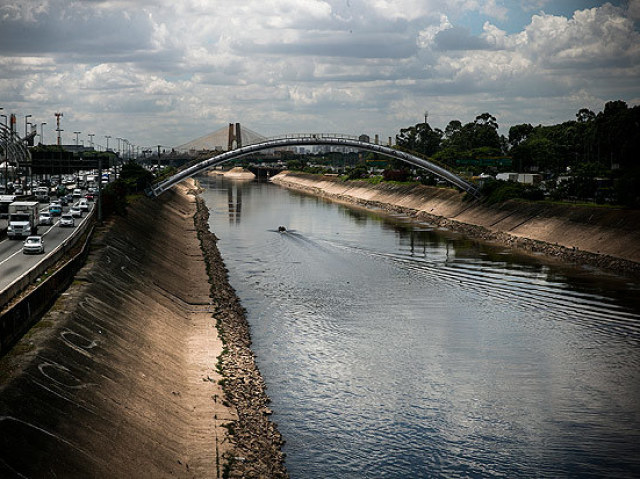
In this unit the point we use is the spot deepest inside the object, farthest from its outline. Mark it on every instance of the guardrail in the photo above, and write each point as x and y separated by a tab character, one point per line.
21	283
16	320
316	136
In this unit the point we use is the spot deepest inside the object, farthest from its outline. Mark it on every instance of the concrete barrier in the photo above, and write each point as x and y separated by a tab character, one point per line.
16	320
21	283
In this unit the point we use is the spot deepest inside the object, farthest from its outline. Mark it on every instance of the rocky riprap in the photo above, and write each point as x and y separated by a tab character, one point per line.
257	443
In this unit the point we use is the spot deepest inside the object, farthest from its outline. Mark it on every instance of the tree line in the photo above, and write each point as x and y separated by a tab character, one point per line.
596	155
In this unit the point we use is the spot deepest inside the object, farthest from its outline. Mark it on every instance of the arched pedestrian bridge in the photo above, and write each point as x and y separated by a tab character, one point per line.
313	140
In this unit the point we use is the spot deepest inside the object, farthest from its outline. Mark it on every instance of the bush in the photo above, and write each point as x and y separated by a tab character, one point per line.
498	191
358	173
395	175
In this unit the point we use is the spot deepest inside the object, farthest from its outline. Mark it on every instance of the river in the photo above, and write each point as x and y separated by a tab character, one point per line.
394	350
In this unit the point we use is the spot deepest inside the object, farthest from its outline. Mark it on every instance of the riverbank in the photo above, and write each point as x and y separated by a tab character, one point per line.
121	377
607	238
256	440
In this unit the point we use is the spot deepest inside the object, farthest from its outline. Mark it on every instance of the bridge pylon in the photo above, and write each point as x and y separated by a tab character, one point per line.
235	134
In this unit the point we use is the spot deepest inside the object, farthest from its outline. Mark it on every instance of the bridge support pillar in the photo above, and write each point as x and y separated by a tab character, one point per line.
235	134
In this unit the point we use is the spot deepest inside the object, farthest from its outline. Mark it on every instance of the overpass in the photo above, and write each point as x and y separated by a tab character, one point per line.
312	139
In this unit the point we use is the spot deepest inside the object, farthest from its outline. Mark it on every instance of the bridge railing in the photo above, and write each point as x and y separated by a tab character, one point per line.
331	139
291	136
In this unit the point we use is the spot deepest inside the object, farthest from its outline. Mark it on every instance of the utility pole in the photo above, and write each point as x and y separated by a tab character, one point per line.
58	129
100	190
424	140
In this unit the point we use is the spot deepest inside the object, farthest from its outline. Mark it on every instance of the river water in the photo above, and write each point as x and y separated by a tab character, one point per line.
393	350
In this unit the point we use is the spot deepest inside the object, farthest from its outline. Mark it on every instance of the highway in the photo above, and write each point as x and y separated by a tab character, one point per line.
14	263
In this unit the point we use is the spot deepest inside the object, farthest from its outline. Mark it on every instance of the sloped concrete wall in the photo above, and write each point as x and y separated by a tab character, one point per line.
572	232
119	378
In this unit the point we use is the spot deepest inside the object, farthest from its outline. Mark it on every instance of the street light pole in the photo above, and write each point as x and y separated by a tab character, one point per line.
91	135
77	133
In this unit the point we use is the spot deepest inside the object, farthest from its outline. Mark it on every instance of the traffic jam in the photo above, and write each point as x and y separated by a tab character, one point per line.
60	203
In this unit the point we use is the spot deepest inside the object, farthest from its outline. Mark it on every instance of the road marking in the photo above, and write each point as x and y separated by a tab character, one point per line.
9	257
20	250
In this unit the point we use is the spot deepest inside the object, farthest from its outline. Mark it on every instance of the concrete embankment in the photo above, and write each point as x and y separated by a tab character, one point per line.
120	378
605	237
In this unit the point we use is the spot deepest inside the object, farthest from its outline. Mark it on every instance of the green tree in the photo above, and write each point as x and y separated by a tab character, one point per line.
519	133
420	138
135	177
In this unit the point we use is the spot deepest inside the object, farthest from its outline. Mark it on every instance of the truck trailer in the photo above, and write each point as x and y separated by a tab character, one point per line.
23	219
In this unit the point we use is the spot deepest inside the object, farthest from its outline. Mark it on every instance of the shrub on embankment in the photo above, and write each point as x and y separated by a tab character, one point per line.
133	180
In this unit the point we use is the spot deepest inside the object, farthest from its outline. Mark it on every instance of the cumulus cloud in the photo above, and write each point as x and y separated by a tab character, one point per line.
186	68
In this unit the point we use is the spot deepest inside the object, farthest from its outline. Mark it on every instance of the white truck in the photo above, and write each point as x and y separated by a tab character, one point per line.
23	219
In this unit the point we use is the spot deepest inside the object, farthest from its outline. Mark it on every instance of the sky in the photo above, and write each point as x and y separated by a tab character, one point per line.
164	72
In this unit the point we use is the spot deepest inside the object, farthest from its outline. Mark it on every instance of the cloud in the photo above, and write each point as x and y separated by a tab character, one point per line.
535	5
176	70
459	38
492	9
634	9
593	37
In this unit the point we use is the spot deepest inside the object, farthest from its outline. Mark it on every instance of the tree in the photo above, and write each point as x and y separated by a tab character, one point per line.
585	115
487	119
420	138
135	177
485	132
519	133
452	128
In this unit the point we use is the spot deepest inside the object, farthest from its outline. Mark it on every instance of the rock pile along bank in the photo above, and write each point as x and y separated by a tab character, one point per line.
257	442
121	377
608	238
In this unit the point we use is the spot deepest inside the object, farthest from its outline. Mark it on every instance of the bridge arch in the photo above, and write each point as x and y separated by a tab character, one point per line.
314	140
14	148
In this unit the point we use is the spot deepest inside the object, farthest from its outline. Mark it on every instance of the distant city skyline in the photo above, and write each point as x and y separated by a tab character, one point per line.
170	72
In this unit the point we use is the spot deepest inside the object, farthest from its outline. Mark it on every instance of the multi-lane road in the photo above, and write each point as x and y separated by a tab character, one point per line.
14	263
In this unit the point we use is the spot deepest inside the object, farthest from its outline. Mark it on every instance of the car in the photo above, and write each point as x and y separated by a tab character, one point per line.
75	212
63	200
55	209
67	220
33	244
45	218
83	205
77	193
89	197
